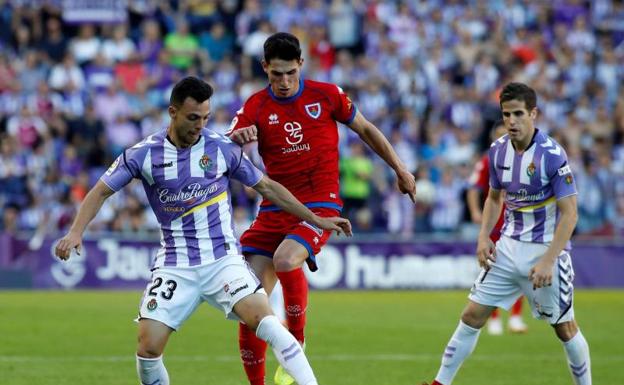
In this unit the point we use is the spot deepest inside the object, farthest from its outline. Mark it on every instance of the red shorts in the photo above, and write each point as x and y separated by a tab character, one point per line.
271	227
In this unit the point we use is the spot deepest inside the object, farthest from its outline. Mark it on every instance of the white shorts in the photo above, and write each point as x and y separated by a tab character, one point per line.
508	279
175	292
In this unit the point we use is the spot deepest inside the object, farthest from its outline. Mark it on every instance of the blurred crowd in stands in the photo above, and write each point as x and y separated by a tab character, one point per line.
74	94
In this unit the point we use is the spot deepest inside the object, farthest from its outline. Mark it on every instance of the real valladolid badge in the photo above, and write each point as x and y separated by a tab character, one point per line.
205	162
152	304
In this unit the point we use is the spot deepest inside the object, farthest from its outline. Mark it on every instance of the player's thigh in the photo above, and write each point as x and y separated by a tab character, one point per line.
290	254
499	286
263	269
553	303
171	296
309	236
226	282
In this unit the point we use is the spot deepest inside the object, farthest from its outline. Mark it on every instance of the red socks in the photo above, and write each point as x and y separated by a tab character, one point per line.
253	349
516	309
253	353
295	287
495	314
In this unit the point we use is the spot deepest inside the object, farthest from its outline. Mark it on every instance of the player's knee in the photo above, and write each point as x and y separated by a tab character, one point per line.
566	330
473	318
252	309
148	351
148	347
283	262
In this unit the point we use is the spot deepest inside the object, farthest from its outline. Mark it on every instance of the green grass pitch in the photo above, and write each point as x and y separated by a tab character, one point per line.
363	338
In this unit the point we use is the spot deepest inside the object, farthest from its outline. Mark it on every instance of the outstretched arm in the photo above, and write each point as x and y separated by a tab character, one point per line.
88	210
279	195
373	137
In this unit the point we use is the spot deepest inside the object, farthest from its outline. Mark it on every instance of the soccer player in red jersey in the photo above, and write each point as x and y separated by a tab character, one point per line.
294	122
479	186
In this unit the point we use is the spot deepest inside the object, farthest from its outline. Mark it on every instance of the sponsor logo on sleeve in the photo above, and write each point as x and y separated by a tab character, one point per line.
564	170
113	166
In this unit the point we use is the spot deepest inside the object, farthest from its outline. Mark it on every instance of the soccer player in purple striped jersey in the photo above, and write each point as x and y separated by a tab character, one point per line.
532	255
185	170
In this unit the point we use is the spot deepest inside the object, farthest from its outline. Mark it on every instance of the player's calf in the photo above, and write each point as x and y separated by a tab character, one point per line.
286	349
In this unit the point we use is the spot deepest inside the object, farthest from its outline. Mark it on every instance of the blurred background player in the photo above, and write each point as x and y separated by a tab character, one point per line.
294	122
532	255
479	186
185	170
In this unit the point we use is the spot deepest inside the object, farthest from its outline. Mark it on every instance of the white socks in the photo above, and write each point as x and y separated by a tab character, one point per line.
286	349
276	300
460	346
152	371
577	352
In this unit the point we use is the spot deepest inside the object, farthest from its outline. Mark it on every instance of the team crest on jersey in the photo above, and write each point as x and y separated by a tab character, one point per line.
568	179
530	169
205	162
152	304
314	110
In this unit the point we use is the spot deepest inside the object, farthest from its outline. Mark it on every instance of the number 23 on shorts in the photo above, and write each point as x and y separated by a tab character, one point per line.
168	290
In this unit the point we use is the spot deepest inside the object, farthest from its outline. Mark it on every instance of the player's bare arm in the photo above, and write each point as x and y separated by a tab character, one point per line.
473	199
280	196
541	273
244	135
486	252
371	135
88	210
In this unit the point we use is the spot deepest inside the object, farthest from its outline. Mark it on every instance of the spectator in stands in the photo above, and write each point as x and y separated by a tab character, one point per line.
356	170
86	45
65	73
182	45
436	89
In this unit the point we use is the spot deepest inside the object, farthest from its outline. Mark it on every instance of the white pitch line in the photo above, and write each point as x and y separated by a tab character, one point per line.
330	357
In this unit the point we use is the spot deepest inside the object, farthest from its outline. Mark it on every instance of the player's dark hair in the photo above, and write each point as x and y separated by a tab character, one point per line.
282	45
519	91
191	87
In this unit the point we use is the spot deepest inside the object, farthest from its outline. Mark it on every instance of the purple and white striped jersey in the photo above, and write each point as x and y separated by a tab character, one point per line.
533	181
188	189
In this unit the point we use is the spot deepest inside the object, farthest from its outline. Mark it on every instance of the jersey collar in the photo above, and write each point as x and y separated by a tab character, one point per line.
532	142
289	99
